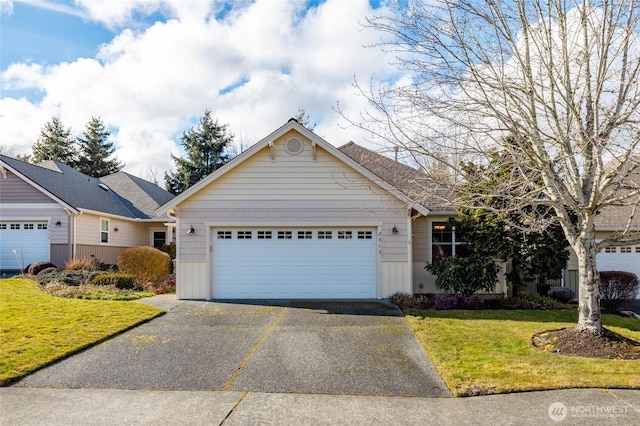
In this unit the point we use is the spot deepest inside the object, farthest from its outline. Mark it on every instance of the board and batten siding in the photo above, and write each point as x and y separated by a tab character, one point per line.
292	191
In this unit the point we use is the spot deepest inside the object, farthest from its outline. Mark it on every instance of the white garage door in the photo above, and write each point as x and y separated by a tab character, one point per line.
620	259
22	243
294	263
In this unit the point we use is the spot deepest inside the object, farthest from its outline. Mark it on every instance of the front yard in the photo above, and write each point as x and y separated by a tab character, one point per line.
37	329
487	352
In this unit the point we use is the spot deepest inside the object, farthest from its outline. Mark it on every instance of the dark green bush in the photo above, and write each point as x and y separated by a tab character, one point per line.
73	278
121	281
145	264
464	275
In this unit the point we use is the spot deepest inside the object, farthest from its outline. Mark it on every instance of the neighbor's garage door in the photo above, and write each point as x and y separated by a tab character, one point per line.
29	240
620	259
294	263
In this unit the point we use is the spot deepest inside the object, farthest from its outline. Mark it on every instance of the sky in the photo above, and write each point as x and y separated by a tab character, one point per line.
150	68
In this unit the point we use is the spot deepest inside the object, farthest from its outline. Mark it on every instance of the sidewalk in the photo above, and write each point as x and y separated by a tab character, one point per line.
69	407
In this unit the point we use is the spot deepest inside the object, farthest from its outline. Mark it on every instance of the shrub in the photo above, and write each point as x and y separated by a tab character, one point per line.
69	278
464	275
81	264
408	301
617	288
170	249
458	301
121	281
145	264
525	300
561	294
162	288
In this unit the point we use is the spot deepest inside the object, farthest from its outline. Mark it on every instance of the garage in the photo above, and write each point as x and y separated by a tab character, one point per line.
288	263
626	258
22	243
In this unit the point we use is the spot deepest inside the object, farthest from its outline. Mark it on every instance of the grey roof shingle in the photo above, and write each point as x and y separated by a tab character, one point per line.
413	183
120	194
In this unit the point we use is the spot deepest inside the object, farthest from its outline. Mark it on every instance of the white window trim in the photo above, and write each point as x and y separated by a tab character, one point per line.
104	219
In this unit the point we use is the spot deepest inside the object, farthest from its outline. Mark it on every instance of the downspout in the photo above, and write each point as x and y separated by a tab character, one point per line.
70	234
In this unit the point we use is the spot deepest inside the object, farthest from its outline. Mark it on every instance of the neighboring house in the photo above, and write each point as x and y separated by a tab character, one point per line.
49	211
613	219
295	217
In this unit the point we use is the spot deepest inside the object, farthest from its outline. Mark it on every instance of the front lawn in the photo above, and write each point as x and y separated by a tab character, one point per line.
488	352
37	329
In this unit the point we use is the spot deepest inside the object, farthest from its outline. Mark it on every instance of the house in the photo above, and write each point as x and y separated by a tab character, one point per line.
49	211
295	217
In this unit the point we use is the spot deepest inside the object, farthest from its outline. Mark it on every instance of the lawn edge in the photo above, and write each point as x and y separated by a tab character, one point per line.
13	380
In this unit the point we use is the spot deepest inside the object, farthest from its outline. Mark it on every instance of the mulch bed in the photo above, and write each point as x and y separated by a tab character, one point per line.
569	341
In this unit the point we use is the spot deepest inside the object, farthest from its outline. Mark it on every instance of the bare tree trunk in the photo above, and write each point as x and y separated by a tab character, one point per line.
589	318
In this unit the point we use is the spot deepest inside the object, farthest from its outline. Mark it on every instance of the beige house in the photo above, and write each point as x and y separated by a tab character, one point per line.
295	217
49	211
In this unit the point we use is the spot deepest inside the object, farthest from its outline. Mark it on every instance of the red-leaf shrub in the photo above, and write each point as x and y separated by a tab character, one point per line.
617	288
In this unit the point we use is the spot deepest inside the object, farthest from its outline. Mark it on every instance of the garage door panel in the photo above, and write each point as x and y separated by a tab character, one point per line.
29	240
616	259
295	264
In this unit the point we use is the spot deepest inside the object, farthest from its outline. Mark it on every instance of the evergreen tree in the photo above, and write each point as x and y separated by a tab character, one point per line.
205	147
95	150
55	143
490	228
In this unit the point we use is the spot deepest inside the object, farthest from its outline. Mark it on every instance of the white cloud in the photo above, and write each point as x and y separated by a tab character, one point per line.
253	68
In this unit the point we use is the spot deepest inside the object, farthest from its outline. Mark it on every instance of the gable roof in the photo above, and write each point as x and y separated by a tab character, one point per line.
414	183
293	124
120	194
616	217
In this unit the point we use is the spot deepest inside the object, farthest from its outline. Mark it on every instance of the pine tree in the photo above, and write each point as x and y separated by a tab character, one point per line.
95	150
55	143
206	148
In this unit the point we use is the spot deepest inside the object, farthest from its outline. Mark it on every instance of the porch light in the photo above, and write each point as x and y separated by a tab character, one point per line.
191	231
394	230
115	229
58	223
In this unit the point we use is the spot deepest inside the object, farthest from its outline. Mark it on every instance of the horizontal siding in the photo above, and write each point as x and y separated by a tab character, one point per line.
290	178
191	280
59	254
129	234
104	254
15	190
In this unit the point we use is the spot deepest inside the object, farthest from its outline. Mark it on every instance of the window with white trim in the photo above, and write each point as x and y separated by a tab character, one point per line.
15	226
365	235
42	226
445	242
104	231
28	226
610	250
305	235
625	249
244	235
325	235
264	235
285	235
345	235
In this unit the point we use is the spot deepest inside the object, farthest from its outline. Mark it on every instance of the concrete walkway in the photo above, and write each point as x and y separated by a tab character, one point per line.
69	407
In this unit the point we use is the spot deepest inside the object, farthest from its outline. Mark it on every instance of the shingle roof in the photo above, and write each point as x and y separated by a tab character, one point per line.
413	183
616	217
120	194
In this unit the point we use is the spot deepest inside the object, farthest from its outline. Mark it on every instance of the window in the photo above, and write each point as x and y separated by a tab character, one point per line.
15	226
42	226
609	249
28	226
244	235
444	242
345	235
365	235
305	235
284	235
325	235
264	235
638	249
3	226
625	249
224	235
159	238
104	231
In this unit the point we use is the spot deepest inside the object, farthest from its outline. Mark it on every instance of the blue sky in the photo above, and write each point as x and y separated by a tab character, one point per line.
149	68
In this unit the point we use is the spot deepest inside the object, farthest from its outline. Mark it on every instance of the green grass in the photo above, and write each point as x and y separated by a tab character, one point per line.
37	329
489	352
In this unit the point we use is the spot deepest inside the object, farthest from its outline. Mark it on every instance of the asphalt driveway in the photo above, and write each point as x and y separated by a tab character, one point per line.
353	348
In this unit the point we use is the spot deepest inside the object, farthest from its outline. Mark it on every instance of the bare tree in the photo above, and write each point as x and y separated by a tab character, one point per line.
560	77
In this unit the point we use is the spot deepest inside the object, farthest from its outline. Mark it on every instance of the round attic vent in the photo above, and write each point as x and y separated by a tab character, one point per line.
293	146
